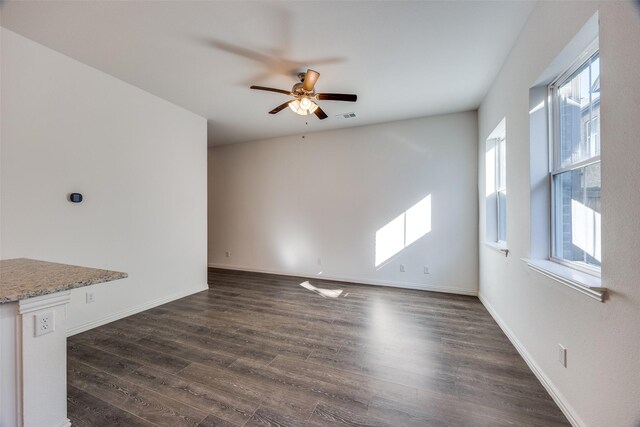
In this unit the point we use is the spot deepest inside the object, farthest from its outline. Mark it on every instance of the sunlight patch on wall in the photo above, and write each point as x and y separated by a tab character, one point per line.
403	230
390	239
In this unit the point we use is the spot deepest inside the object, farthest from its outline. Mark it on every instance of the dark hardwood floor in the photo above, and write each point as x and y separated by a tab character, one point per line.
262	350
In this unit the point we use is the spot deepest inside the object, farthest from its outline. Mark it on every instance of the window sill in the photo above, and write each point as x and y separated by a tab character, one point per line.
498	246
584	283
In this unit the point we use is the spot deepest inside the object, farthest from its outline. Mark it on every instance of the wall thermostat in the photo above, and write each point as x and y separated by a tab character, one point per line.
75	197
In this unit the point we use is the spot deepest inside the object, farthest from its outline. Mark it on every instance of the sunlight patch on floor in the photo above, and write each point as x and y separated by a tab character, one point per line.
325	293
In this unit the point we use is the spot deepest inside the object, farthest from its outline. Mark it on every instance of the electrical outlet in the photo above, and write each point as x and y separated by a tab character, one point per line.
426	269
562	355
402	268
45	323
227	254
90	296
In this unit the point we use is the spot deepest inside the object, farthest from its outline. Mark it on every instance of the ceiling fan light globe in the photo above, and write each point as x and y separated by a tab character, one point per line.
303	106
294	105
305	103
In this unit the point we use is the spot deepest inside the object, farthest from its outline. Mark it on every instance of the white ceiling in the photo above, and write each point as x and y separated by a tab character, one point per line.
402	59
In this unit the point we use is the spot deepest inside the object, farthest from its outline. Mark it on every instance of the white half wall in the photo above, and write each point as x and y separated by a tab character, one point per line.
601	384
311	205
139	161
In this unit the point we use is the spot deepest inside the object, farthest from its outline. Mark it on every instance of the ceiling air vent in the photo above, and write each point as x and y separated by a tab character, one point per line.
346	116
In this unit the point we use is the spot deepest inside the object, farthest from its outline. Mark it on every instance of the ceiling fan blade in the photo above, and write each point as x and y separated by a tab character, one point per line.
337	97
321	114
310	79
279	108
270	89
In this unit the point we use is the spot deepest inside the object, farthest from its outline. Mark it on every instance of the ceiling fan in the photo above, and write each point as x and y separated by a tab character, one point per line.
305	96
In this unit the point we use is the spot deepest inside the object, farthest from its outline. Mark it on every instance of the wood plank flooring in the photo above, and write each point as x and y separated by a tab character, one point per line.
260	350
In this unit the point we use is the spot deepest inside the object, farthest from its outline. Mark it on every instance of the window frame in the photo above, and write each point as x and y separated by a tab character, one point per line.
555	165
493	167
499	168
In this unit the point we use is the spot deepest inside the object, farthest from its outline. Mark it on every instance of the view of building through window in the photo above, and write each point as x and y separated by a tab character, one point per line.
576	174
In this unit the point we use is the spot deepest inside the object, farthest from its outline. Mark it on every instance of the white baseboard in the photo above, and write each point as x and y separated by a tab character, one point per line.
555	394
133	310
404	285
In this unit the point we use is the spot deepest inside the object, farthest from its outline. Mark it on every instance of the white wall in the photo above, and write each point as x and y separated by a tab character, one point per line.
139	161
278	205
601	384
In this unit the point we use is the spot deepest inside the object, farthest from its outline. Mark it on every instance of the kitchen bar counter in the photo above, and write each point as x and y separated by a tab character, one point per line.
23	278
33	338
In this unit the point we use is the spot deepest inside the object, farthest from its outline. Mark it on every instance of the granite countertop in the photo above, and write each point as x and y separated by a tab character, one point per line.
23	278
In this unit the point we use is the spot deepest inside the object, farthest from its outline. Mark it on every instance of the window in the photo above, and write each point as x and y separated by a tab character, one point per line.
501	187
496	185
575	166
564	147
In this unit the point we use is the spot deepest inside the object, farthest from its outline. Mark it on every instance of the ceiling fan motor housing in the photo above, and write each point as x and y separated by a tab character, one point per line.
298	90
